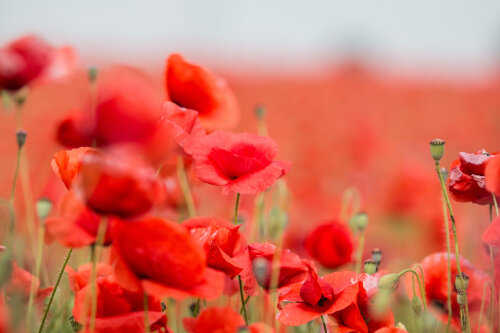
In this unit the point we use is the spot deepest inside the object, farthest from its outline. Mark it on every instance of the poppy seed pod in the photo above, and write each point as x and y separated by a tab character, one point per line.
358	222
461	296
21	138
458	282
437	149
370	267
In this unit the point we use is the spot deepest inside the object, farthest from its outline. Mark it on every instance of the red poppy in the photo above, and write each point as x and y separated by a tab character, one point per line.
316	297
22	61
215	319
466	180
290	267
193	87
118	183
162	257
224	246
492	173
75	225
436	286
239	162
118	310
330	244
20	284
491	235
66	163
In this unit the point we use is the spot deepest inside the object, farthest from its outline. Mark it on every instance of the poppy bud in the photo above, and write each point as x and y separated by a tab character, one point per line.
92	73
359	222
370	267
43	208
381	302
261	269
389	281
437	149
461	295
444	173
260	112
416	305
458	282
377	256
21	138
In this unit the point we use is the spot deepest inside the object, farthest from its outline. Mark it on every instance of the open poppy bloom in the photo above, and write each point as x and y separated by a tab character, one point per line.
66	163
330	244
290	268
118	310
225	247
162	258
436	288
75	225
466	180
118	183
193	87
492	175
239	162
20	285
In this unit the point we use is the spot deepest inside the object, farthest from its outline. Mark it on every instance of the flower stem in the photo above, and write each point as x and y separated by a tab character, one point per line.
495	203
12	216
39	255
420	285
359	255
147	328
324	324
186	191
448	270
482	305
457	254
236	205
95	254
54	291
239	277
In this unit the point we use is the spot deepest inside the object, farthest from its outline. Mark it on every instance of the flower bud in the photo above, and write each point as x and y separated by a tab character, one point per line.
437	149
377	256
262	270
358	222
21	138
370	267
260	111
416	305
43	208
458	282
461	296
444	173
388	281
92	73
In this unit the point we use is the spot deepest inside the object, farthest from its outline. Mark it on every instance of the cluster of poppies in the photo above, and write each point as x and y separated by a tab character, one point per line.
132	156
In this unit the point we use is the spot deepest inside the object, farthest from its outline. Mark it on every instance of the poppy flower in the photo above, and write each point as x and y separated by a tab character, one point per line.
20	284
118	183
224	246
22	61
466	180
75	225
163	258
491	235
66	163
435	267
290	267
118	309
492	174
193	87
239	162
330	244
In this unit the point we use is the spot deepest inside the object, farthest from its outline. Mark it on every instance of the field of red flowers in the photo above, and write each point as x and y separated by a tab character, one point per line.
180	198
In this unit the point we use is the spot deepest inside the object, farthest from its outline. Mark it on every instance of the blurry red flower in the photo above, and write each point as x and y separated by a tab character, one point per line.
435	276
22	61
290	267
391	330
330	244
491	235
492	175
215	319
224	246
20	285
162	257
118	310
239	162
118	183
75	225
466	180
66	163
193	87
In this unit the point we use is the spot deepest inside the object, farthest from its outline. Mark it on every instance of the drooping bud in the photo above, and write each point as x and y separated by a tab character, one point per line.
388	282
21	138
458	282
43	208
377	256
416	305
437	149
92	73
370	267
358	222
461	296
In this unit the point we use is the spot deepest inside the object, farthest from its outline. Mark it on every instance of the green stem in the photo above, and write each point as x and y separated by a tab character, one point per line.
95	254
351	198
39	255
420	285
482	305
13	192
495	203
243	301
324	324
457	253
54	291
186	191
146	313
359	255
448	270
236	208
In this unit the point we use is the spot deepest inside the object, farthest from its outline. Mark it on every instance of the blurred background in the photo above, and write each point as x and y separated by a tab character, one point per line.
354	91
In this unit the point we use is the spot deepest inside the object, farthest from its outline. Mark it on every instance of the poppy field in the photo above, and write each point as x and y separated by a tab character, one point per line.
181	198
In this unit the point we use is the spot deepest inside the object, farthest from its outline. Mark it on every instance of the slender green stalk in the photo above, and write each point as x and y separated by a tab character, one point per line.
146	313
54	290
448	270
420	285
495	203
186	191
351	198
244	303
236	209
359	254
482	305
12	216
39	256
95	254
324	324
242	297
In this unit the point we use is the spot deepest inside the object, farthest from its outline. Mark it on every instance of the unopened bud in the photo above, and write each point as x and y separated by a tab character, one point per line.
370	267
388	281
444	173
461	296
262	270
43	208
260	111
377	256
458	282
359	222
416	305
21	138
92	73
437	149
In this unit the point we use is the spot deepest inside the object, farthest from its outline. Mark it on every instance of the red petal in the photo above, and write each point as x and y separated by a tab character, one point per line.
296	314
